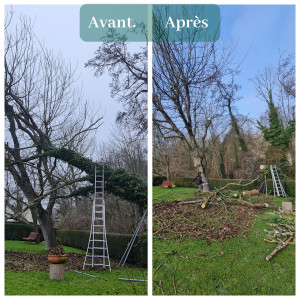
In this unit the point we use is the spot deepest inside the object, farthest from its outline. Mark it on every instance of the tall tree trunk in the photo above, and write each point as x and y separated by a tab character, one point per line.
221	154
168	166
47	226
198	163
34	215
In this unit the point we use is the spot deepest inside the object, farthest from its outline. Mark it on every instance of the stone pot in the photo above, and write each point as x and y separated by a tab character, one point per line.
57	259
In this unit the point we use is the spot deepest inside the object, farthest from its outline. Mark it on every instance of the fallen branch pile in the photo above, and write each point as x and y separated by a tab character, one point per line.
283	234
224	196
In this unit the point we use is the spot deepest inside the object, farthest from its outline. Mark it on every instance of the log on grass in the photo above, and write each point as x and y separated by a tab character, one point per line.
191	202
279	247
203	205
246	203
218	192
251	193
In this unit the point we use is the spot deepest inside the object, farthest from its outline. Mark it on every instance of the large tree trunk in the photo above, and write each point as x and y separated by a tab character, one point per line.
46	222
221	154
168	167
34	215
198	163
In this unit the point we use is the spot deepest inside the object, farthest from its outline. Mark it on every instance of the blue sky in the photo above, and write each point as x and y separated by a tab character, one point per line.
264	29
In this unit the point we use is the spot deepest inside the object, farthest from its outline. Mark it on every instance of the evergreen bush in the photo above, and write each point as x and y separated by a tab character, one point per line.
157	180
288	185
15	231
117	244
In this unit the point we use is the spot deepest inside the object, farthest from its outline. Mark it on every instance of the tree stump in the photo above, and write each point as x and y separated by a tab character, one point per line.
287	207
57	271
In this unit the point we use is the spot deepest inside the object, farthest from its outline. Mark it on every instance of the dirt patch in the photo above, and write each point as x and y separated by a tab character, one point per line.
174	219
19	261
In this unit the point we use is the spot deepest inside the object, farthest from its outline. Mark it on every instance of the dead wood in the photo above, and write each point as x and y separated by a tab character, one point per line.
279	247
219	191
251	193
250	204
219	197
283	234
192	202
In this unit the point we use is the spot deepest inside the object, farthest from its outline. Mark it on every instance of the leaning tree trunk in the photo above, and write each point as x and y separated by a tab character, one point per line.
119	182
198	163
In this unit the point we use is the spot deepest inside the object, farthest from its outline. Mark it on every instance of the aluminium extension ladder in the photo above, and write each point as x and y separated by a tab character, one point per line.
277	186
97	250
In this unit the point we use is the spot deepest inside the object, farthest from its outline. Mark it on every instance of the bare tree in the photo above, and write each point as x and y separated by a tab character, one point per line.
127	67
41	104
275	85
126	150
280	80
186	99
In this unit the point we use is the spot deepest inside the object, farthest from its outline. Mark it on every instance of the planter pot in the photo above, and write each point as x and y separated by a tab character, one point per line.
57	259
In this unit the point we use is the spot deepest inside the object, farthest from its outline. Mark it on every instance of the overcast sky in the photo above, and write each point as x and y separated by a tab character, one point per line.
262	30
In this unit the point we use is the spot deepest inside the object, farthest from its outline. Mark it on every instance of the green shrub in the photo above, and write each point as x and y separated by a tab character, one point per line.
117	244
182	181
288	185
157	180
15	231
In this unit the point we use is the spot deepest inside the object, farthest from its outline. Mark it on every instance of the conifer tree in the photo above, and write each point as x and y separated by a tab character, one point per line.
276	134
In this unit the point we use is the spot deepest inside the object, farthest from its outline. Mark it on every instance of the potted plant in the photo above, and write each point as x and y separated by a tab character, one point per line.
57	255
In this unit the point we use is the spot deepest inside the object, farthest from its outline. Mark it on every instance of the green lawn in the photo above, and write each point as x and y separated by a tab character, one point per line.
178	193
233	267
38	282
106	283
18	246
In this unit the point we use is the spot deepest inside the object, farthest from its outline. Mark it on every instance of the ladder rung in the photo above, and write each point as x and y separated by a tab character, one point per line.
98	248
98	240
97	256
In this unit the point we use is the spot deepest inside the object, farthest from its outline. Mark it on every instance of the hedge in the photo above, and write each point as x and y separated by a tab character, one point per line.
15	231
117	244
288	185
157	180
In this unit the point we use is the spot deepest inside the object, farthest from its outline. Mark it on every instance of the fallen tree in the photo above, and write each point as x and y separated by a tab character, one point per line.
222	196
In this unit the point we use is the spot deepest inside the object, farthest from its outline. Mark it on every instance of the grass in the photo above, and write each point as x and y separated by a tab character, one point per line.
38	283
18	246
106	283
161	194
234	267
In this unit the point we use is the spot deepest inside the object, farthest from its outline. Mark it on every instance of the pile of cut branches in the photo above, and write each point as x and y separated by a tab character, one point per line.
224	196
282	235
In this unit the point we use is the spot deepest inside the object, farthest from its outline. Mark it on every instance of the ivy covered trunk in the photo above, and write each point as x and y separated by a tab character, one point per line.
120	183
